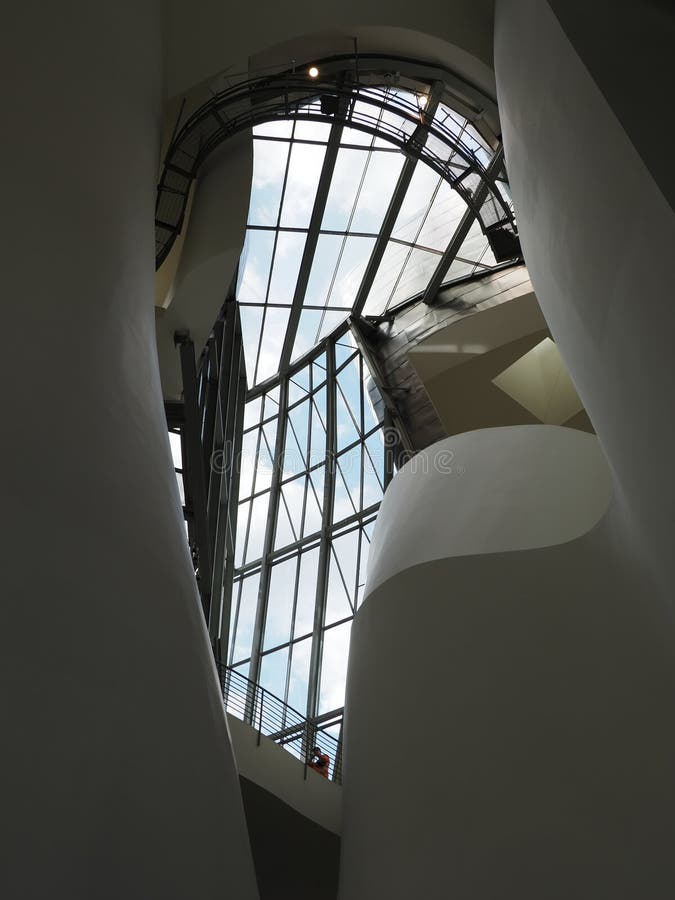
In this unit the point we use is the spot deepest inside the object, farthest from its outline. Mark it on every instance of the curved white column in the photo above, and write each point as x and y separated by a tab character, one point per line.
488	492
598	234
118	773
509	730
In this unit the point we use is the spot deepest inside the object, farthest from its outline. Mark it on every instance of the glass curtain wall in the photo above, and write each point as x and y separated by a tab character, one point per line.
312	478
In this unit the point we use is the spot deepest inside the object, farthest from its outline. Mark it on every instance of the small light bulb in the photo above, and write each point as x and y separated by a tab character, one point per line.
313	72
422	100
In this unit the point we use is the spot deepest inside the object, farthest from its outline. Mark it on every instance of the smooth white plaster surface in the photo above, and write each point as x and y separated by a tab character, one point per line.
118	774
598	235
489	491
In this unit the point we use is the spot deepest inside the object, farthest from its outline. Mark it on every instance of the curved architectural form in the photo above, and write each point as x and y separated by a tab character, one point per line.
119	775
507	711
508	489
512	675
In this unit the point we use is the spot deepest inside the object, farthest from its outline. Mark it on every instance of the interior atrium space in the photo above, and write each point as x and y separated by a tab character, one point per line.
345	571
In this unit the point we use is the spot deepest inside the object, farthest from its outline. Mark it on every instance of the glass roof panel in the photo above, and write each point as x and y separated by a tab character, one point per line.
344	188
271	342
254	267
280	128
304	170
392	262
419	196
290	163
415	276
287	259
311	131
326	258
442	219
378	186
355	256
269	167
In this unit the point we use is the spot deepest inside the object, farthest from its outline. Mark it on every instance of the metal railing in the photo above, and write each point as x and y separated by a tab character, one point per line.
276	720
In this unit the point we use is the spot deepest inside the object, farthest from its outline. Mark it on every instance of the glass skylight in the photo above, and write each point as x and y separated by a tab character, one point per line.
318	267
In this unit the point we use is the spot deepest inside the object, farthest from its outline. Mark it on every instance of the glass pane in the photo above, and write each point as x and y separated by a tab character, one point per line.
344	185
251	323
274	331
248	602
323	268
273	679
331	318
415	276
304	613
343	349
378	186
346	553
280	603
418	198
247	463
285	533
307	333
443	218
269	167
298	385
256	537
293	494
303	178
343	505
350	467
314	505
318	436
338	605
392	262
295	454
265	458
334	667
350	271
282	128
372	477
299	680
287	259
242	524
256	259
374	457
347	417
311	131
252	411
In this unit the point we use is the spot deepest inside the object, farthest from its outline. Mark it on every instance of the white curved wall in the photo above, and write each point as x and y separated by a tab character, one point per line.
457	499
598	235
508	721
213	243
118	773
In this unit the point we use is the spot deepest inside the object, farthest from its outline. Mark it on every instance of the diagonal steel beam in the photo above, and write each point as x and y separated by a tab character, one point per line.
318	210
417	139
462	229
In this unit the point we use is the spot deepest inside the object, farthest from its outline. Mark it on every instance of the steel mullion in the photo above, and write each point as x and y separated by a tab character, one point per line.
270	532
228	384
326	527
418	137
233	502
320	199
462	230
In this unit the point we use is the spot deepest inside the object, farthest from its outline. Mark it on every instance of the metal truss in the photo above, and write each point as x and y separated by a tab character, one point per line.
340	96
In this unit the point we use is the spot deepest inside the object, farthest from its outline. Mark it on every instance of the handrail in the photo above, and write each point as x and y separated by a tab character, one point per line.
273	718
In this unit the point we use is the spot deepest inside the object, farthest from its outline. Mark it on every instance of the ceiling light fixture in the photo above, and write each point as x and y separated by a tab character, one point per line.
313	72
422	100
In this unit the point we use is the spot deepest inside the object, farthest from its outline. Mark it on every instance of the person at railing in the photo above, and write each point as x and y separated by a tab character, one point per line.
319	761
